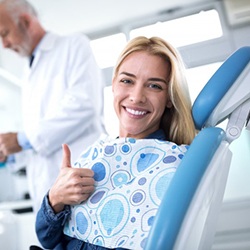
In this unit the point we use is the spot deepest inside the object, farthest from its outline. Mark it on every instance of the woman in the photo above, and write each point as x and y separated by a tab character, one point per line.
151	101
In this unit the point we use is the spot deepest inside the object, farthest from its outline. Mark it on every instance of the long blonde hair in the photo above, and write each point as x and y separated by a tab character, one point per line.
177	121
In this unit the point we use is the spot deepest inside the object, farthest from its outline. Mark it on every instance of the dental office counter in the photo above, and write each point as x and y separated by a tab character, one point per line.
17	225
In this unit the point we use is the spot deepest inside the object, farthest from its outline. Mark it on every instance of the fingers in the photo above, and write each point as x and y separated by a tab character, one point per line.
83	189
66	163
70	191
87	181
81	193
86	172
9	144
78	199
2	156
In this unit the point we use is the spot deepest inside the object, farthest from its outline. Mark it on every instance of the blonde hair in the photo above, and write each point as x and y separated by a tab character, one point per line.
177	121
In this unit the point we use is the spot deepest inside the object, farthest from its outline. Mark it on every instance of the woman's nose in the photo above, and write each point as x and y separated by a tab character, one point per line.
137	95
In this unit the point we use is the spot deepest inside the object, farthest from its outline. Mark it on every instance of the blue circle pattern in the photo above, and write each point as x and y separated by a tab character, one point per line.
131	177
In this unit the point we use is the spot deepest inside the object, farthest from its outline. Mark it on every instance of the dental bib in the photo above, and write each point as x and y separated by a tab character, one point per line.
131	177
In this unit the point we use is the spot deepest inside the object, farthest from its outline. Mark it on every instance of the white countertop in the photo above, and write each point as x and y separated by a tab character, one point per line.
19	204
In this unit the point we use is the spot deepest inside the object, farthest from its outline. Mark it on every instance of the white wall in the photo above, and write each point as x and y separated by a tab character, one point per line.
238	185
10	106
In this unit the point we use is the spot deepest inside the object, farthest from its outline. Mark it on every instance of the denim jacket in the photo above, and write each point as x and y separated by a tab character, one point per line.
49	226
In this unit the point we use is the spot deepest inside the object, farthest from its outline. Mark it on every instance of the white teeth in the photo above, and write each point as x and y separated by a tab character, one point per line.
136	112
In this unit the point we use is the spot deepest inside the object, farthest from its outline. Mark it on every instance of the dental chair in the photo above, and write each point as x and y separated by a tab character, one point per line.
187	216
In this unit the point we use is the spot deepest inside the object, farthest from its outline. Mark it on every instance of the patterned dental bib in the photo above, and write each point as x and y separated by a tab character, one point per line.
131	177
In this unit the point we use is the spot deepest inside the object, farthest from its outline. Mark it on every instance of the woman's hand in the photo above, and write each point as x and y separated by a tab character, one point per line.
72	186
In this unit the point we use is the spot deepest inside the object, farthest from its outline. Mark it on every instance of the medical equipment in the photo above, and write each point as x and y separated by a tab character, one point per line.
187	216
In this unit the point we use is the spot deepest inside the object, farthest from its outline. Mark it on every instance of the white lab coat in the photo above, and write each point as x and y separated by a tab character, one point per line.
62	98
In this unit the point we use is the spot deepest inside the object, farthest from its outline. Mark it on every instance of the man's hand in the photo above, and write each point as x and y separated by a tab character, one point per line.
9	144
72	186
2	157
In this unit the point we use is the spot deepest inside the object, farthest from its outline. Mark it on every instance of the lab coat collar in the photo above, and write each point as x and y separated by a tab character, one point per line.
47	42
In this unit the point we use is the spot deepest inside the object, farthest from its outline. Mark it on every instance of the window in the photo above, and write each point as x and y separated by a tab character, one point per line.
186	30
197	78
107	49
110	118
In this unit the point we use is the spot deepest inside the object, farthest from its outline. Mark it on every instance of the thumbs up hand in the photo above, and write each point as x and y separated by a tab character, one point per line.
72	186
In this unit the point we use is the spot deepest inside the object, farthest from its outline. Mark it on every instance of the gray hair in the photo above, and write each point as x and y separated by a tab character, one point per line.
16	7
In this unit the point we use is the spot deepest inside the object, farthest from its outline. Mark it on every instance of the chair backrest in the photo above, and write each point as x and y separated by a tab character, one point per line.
186	218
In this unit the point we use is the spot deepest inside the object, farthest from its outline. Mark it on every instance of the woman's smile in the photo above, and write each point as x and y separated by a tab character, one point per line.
140	94
136	113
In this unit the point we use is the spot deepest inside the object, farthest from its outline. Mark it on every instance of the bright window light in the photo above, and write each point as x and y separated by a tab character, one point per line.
110	118
186	30
107	49
197	78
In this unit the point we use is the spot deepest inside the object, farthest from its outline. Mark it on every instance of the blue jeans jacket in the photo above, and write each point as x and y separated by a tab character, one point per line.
49	229
49	226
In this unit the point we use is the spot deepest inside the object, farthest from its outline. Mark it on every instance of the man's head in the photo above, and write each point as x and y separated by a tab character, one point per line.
20	29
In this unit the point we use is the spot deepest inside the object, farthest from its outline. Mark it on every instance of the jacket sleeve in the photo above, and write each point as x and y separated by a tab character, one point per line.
49	226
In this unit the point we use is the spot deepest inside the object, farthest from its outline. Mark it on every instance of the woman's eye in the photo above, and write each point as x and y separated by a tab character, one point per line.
127	81
155	86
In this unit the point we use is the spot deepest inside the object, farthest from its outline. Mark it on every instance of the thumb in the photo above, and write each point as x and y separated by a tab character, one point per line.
66	156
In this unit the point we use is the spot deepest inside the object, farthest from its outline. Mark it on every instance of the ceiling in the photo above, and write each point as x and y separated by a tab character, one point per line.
66	16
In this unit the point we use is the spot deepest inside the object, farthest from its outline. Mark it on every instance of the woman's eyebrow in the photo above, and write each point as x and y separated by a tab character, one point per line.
127	74
155	79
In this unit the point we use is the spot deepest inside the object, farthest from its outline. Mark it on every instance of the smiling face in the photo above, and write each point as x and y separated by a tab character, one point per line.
140	91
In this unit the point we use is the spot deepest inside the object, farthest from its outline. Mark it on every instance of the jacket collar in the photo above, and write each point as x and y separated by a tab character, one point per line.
158	134
47	42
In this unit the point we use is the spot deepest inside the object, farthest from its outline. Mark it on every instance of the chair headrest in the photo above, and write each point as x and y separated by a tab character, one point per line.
225	90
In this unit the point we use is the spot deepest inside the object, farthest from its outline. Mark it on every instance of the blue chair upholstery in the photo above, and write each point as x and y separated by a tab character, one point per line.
218	86
207	157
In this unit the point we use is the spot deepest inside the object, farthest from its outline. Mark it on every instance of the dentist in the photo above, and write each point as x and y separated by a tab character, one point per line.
62	96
